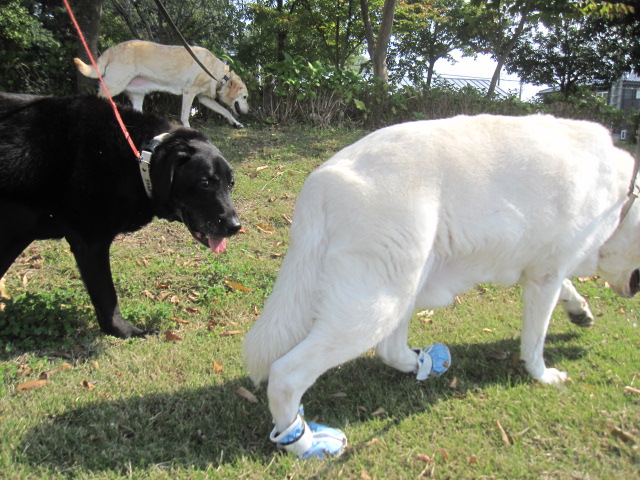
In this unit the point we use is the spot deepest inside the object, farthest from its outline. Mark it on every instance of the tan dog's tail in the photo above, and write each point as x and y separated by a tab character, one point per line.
87	70
287	316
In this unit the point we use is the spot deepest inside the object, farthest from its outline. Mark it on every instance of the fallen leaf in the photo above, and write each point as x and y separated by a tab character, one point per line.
236	286
265	228
31	385
95	364
444	453
472	459
163	296
217	367
425	313
373	441
454	383
162	285
192	310
424	458
263	167
246	394
212	325
632	390
503	434
487	330
88	385
174	300
169	335
364	475
231	333
180	320
148	294
379	411
286	219
622	435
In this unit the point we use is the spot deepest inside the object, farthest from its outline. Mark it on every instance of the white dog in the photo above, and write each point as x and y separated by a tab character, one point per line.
137	67
416	213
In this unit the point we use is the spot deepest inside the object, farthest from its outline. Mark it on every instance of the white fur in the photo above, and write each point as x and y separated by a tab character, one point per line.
137	68
414	214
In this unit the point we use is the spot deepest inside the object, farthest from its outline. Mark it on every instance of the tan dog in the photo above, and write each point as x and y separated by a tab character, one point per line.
138	67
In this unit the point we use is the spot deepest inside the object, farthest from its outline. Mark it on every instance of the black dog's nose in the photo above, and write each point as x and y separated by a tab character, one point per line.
233	225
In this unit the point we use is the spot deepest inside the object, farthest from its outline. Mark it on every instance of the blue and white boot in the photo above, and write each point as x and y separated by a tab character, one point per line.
309	440
433	361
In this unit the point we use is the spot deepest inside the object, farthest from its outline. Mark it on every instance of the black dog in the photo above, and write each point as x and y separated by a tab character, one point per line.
66	170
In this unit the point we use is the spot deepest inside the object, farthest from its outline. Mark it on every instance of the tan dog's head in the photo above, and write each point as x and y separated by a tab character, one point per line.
234	94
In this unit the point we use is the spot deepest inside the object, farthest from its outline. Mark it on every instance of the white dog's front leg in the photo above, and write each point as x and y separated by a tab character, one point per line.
216	107
539	299
574	305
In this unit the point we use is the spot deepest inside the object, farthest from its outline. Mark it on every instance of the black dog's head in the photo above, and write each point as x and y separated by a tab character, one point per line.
192	183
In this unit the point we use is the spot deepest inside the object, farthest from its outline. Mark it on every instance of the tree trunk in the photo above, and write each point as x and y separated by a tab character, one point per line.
88	13
502	58
377	47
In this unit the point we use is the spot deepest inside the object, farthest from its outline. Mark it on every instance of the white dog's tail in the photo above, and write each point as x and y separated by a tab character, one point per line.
287	315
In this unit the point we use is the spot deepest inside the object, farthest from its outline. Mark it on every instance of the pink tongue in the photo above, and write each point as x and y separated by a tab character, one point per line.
218	245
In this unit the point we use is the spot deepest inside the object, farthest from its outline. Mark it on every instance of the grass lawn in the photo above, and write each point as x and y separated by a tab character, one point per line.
178	405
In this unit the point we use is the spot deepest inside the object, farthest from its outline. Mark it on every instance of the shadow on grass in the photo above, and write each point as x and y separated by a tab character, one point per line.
205	427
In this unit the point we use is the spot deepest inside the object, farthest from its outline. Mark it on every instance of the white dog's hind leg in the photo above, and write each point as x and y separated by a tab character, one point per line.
575	306
539	299
395	352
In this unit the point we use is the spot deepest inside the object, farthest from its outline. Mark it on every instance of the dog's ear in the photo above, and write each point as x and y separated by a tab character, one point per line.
165	161
234	86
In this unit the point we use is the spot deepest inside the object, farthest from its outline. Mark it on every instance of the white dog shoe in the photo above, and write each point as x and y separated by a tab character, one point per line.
310	440
433	361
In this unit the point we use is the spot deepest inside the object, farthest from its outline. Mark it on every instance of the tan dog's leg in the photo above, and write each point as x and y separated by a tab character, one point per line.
137	99
187	101
216	107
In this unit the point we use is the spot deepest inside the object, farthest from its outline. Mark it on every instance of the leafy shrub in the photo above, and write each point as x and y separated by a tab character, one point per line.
32	321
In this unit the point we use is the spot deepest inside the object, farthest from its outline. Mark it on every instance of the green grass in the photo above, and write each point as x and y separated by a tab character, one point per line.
153	408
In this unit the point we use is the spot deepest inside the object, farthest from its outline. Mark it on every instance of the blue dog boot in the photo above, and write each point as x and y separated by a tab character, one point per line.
310	440
433	361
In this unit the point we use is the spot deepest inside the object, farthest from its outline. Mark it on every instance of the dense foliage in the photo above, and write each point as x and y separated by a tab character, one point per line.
307	60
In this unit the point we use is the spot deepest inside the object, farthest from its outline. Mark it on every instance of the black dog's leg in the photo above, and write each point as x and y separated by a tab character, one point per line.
9	251
93	263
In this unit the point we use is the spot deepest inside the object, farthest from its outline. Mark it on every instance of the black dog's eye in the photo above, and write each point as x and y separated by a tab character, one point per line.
232	184
204	183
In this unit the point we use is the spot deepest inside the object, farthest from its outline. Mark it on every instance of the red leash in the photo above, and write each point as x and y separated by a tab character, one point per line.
95	66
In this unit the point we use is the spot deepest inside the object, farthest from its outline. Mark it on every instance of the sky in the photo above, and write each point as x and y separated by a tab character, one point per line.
483	67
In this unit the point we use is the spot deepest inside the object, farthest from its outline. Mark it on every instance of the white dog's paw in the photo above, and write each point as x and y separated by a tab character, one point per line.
238	125
551	376
310	440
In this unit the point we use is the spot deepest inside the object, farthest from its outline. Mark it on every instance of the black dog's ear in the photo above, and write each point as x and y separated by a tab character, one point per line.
164	162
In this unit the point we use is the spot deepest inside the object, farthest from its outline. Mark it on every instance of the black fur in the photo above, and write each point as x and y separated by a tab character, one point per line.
66	170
